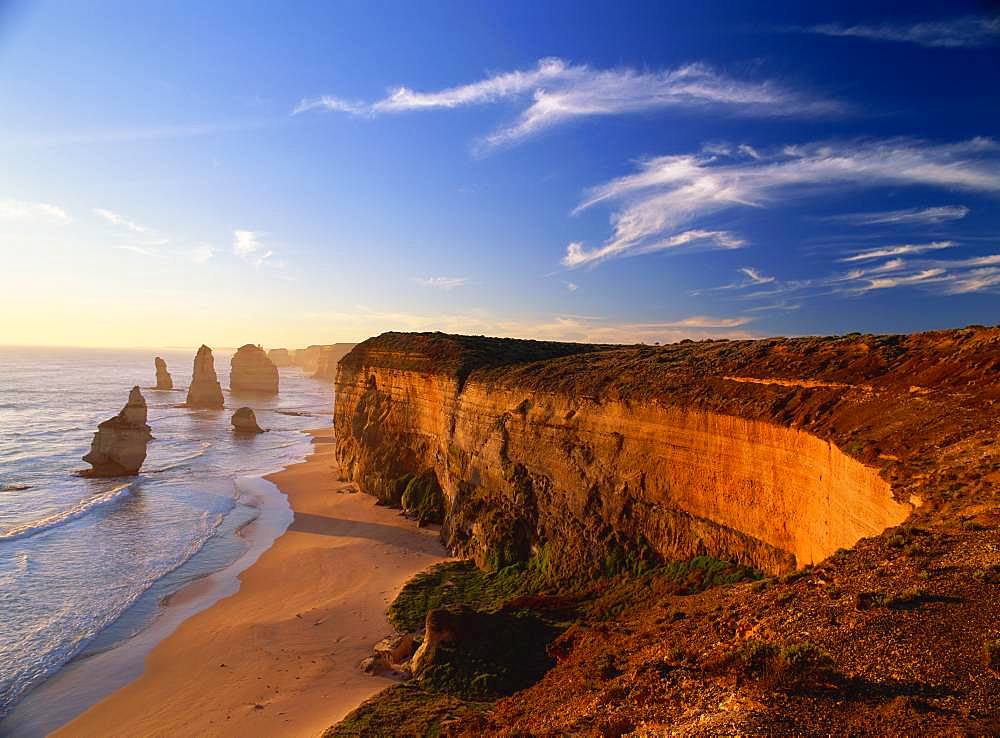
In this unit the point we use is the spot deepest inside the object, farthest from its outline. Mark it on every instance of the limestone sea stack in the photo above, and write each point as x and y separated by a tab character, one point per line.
119	446
163	379
252	371
245	421
204	390
280	357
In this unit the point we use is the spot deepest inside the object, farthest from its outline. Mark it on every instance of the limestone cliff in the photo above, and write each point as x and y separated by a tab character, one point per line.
204	390
119	445
252	371
329	356
280	357
163	379
774	453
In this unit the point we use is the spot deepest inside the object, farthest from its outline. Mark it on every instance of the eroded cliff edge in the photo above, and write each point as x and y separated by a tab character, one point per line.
774	453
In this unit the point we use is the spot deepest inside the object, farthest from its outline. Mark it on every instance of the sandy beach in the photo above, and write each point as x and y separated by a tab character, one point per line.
280	657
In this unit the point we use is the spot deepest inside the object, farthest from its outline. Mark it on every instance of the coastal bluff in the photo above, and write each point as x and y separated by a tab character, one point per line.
204	390
773	453
252	371
119	445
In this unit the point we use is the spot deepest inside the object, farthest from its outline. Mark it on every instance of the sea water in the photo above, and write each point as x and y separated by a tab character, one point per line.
86	563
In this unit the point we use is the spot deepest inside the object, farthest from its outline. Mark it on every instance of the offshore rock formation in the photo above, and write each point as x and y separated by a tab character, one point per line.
752	451
245	421
307	358
163	378
252	371
280	357
329	356
205	390
119	446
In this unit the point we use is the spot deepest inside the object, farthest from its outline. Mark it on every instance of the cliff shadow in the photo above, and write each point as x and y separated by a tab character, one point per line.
400	537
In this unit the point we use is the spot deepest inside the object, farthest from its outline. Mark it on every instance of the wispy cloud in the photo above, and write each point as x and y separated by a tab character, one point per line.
441	283
25	210
900	250
909	216
950	33
557	92
669	193
247	246
571	286
941	276
120	220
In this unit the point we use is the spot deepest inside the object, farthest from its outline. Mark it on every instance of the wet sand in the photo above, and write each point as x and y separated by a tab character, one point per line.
280	657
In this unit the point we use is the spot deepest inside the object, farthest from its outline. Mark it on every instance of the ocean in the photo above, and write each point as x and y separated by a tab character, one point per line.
85	564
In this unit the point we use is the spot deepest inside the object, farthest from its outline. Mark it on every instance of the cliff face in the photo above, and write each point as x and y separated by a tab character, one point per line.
280	357
326	364
738	449
119	445
252	371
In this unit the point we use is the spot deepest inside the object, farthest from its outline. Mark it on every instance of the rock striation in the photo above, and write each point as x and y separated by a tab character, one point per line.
163	379
119	445
772	453
280	357
252	371
245	421
204	390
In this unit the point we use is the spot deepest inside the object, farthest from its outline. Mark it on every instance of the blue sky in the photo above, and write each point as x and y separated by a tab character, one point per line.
310	172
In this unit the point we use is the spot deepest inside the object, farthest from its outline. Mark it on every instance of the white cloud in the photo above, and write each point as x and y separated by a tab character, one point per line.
25	210
571	286
669	192
200	253
755	276
900	250
247	246
560	92
953	32
119	220
245	242
441	283
909	216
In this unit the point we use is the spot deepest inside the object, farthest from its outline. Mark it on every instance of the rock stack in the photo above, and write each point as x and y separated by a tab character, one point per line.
252	371
280	357
329	356
204	390
163	379
119	446
245	421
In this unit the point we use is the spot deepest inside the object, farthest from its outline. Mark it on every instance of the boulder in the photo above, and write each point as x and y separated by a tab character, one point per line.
280	357
119	446
205	390
252	371
245	421
163	379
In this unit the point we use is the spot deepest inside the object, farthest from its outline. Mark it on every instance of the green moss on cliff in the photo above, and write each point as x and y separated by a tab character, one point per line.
423	498
404	710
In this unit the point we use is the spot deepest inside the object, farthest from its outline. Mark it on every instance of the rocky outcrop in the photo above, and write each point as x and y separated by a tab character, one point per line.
592	452
163	379
280	357
307	358
245	421
252	371
119	446
204	390
329	356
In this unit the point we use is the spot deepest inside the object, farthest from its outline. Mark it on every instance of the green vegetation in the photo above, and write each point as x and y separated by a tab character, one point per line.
404	710
423	498
496	654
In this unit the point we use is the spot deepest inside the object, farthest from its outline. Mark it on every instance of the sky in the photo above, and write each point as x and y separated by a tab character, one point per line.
292	173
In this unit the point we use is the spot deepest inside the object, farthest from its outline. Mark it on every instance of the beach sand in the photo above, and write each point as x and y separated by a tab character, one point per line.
280	657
